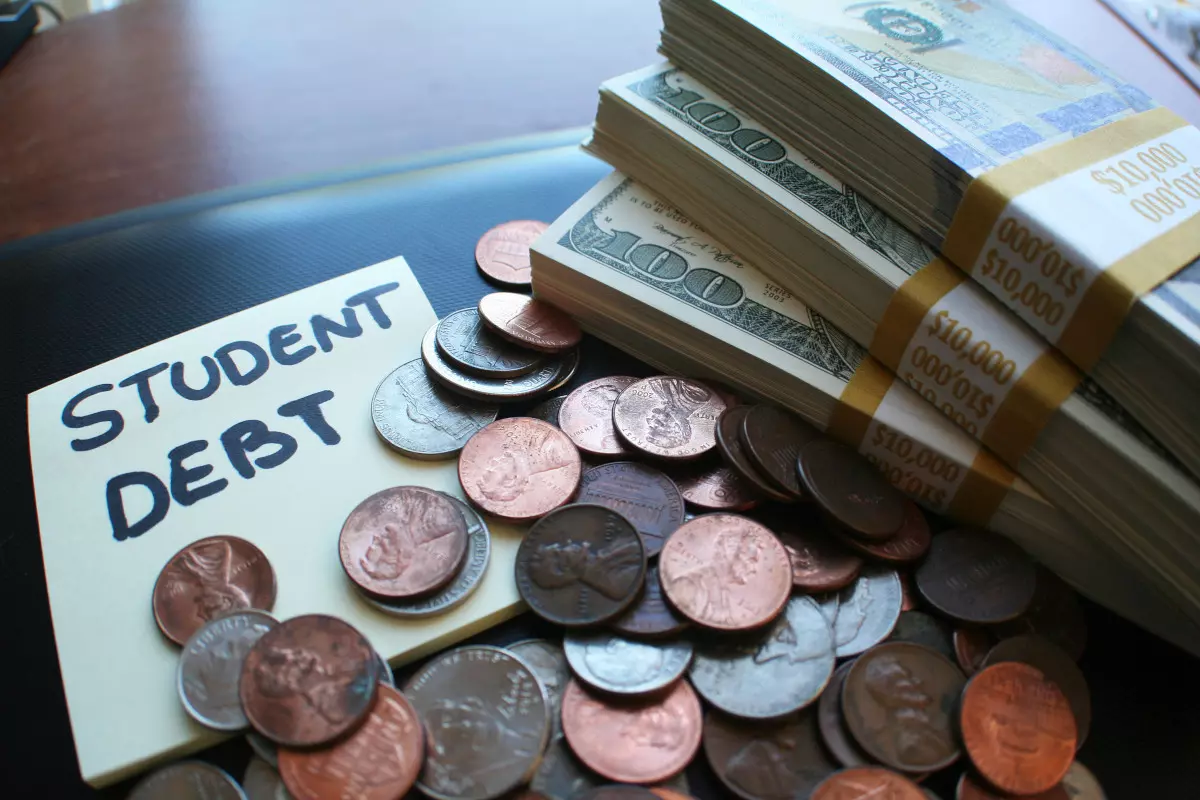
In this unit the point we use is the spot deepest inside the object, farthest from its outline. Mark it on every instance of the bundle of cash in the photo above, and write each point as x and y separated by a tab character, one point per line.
915	102
824	242
638	273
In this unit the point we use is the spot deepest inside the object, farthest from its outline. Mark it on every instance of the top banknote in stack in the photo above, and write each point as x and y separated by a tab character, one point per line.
913	102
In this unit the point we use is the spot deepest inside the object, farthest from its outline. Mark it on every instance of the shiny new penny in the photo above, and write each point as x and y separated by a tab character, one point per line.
668	417
503	252
470	346
773	439
549	376
1017	728
403	542
819	563
608	663
378	761
587	416
976	577
765	761
832	723
726	572
187	780
208	579
211	663
549	665
580	565
710	487
1055	613
650	615
308	681
643	495
905	546
853	492
519	468
423	419
867	783
971	646
898	701
970	788
530	323
729	444
641	742
1054	663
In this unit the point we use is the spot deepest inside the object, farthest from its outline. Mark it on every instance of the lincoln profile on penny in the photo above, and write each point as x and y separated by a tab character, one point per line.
708	585
418	528
907	707
208	568
285	672
609	570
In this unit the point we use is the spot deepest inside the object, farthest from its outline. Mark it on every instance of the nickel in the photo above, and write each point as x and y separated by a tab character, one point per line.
609	663
549	665
467	344
422	419
211	663
549	375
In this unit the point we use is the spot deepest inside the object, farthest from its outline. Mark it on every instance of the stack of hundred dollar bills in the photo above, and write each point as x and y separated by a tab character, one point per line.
731	247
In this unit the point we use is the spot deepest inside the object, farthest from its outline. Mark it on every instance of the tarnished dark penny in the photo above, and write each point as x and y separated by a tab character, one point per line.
580	565
976	577
1054	613
561	775
867	783
1017	727
308	681
765	761
773	439
587	416
643	495
905	546
668	417
187	780
519	468
971	788
403	542
378	761
549	665
650	615
832	723
486	722
208	579
423	419
550	375
971	646
548	410
819	563
502	253
714	487
470	346
530	323
848	488
898	702
1055	664
733	453
918	627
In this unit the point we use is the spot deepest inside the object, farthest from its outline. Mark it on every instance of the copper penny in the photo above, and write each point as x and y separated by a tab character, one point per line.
309	680
650	615
530	323
640	742
711	487
726	572
668	417
765	761
971	646
773	439
503	252
908	594
898	700
379	761
1054	663
208	579
832	724
819	563
861	783
580	565
729	445
663	793
1017	728
976	577
519	468
970	788
853	492
587	415
641	494
403	542
905	546
1055	613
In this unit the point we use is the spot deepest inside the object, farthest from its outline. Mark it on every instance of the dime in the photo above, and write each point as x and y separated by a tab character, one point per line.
519	468
854	493
769	673
729	444
611	664
461	586
971	646
970	788
640	742
580	565
549	410
773	439
550	374
1054	663
471	347
714	488
650	615
976	577
834	732
861	783
668	417
378	761
866	611
924	629
643	495
908	544
503	252
1081	784
187	780
897	700
1017	728
819	564
208	579
766	761
561	775
486	722
308	680
211	663
549	665
587	415
1055	613
528	322
262	782
422	419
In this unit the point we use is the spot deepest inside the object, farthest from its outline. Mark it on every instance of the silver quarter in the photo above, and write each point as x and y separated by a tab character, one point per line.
262	782
547	410
867	611
613	664
468	344
561	775
264	748
548	376
769	673
549	665
187	780
423	419
211	665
